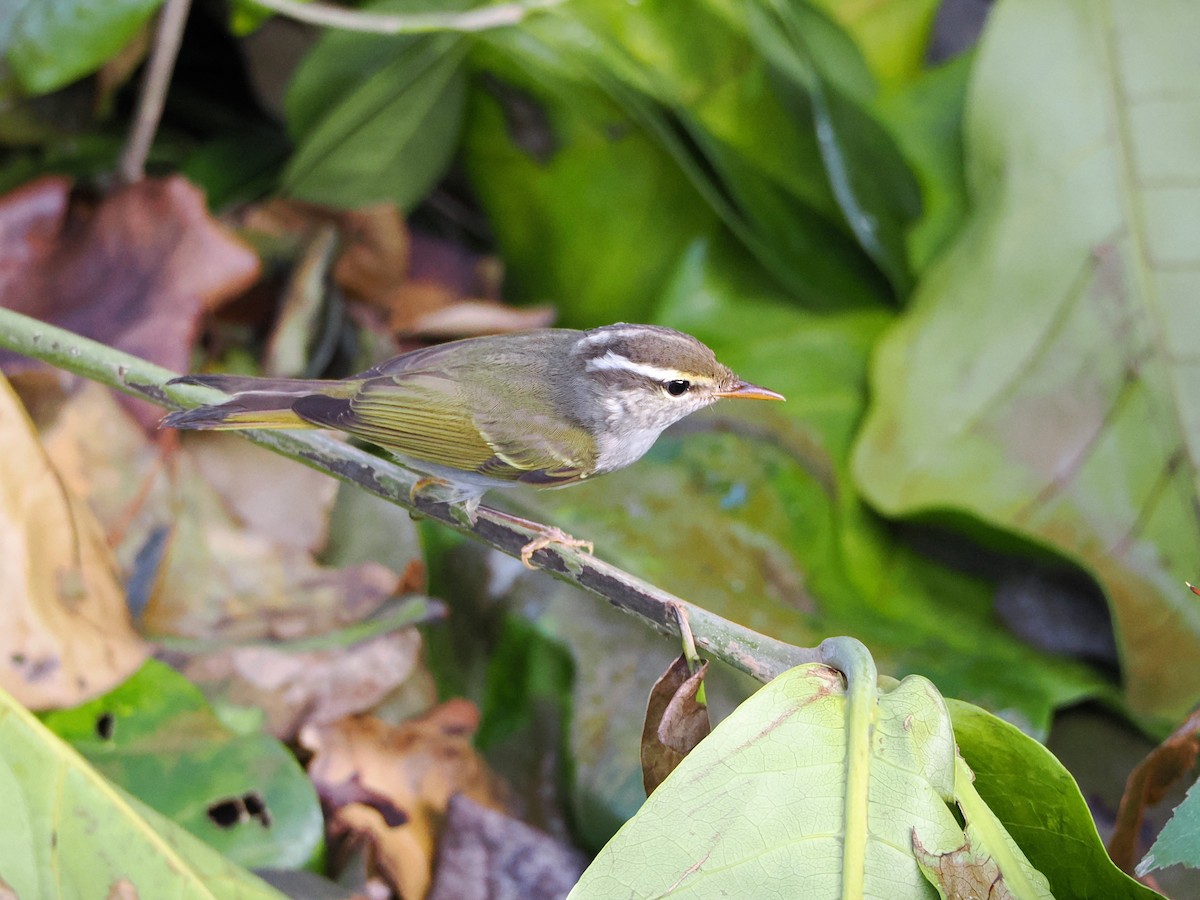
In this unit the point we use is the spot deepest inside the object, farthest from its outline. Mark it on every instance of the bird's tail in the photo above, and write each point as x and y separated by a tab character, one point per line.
256	402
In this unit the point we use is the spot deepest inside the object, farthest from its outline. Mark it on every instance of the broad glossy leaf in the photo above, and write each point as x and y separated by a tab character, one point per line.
589	211
157	738
374	118
688	80
53	42
1045	379
810	788
1040	806
67	832
869	178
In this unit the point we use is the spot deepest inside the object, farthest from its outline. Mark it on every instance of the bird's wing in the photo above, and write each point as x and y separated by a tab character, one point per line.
418	415
424	416
537	449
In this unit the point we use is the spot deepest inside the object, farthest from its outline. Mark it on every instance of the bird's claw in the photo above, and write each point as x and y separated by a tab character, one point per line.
546	538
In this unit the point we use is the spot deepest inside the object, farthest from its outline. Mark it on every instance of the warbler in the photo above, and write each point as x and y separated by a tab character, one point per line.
546	408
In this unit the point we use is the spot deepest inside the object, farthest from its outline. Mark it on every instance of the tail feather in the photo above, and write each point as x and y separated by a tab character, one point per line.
237	384
247	411
256	402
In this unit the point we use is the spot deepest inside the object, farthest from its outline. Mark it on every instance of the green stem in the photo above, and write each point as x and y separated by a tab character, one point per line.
755	654
851	658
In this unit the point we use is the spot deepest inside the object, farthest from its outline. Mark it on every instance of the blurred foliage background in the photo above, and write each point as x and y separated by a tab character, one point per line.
968	258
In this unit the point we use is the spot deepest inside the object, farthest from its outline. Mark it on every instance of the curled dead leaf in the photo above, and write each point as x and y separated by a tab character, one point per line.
1148	784
675	722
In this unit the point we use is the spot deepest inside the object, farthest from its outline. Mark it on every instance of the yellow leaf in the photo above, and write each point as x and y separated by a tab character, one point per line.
65	631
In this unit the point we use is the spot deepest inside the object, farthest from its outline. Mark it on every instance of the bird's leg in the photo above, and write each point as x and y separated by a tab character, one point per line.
461	508
547	535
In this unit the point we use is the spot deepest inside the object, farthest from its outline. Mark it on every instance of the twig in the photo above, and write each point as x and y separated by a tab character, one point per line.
167	38
481	19
756	654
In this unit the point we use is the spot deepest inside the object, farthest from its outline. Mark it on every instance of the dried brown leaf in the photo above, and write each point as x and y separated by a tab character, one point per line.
1148	784
134	271
963	873
484	855
319	686
675	722
390	785
285	502
65	633
239	563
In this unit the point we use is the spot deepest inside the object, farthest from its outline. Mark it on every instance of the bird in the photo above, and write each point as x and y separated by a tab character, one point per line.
547	408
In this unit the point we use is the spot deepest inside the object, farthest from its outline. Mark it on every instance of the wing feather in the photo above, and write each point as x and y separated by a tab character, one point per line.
416	406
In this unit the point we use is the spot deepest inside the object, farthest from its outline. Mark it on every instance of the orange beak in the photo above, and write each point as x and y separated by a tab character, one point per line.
747	391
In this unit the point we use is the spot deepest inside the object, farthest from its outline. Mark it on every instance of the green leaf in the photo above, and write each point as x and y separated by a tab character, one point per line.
874	188
892	34
167	746
561	176
1044	379
602	84
67	832
926	117
813	787
374	117
1040	806
1179	841
54	42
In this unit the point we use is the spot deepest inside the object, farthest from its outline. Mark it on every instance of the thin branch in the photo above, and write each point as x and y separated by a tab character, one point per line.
157	78
755	654
480	19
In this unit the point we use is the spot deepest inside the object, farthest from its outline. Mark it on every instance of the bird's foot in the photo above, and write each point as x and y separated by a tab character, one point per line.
548	536
462	504
427	485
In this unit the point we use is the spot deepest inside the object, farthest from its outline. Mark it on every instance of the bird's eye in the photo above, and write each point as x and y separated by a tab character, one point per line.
678	387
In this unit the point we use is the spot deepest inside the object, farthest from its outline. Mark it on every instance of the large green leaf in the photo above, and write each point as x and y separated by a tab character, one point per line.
157	737
374	117
589	211
874	188
814	787
50	43
663	109
67	832
1040	805
1044	379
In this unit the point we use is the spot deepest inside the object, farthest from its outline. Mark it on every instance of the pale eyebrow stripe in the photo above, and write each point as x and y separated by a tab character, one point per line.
604	335
612	360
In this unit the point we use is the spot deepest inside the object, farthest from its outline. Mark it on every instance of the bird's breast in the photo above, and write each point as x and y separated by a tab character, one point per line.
617	450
